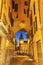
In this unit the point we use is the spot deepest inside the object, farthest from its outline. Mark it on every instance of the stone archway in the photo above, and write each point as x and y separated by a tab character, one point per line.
21	34
23	45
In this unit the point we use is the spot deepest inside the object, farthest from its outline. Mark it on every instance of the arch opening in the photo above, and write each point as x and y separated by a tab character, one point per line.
21	34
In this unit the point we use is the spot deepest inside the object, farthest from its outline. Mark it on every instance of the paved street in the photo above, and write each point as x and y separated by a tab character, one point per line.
21	61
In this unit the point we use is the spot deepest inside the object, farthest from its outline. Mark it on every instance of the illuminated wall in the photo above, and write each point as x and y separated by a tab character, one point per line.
36	25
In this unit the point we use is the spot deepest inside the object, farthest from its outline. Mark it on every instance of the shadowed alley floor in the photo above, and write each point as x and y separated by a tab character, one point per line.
21	61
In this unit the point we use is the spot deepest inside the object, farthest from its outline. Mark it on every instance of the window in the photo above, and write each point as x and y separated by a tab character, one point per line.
25	11
28	12
16	7
16	15
35	25
31	18
36	22
34	8
32	32
26	3
10	16
13	4
11	20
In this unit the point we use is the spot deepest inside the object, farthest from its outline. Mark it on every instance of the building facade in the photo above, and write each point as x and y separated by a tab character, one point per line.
27	16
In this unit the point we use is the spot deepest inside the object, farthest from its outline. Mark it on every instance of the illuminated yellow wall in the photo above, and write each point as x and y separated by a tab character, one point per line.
37	35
